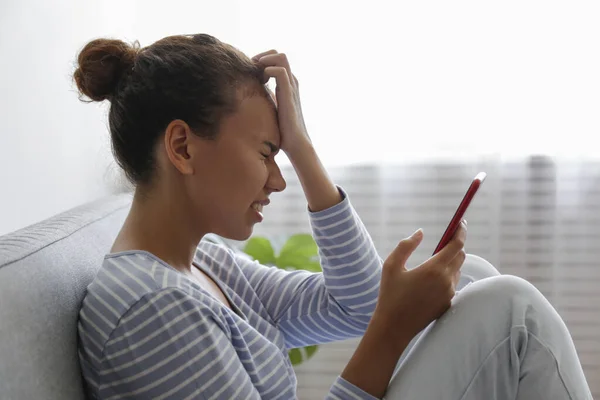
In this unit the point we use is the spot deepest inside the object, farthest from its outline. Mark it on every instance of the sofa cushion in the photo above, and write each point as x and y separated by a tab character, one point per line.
44	272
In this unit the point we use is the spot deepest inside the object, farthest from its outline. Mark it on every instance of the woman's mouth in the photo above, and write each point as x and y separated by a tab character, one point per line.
257	206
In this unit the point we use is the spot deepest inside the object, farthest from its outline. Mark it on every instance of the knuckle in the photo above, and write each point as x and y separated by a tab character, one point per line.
402	245
435	273
442	274
386	263
388	266
456	246
403	242
456	279
428	272
449	284
279	71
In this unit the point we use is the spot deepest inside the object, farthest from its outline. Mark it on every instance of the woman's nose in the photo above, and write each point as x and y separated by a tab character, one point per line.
276	181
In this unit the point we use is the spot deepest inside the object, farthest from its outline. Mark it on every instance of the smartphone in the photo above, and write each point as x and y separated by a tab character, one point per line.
460	211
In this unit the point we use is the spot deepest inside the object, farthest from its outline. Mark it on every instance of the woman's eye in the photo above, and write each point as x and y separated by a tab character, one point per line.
264	155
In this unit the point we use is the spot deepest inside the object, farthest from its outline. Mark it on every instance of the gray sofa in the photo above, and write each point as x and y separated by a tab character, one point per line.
44	270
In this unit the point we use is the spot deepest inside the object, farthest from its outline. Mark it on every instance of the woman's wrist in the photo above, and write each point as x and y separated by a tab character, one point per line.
374	361
391	331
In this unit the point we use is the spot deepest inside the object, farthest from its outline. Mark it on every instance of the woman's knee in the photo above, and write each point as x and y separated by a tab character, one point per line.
501	289
476	268
505	298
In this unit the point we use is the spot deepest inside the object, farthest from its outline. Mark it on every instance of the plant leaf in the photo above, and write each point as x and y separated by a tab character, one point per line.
299	252
310	351
300	355
295	356
261	250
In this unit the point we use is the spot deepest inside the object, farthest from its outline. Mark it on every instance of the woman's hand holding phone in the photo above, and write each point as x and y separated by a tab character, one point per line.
410	300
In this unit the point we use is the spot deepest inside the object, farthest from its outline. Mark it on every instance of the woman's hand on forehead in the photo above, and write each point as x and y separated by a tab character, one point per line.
294	135
320	191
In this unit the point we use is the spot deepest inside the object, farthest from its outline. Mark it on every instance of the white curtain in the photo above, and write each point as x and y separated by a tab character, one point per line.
536	217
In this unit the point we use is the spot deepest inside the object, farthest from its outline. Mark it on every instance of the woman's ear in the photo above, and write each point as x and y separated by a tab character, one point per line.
178	146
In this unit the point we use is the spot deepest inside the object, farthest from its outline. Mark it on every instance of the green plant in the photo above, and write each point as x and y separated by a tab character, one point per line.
298	252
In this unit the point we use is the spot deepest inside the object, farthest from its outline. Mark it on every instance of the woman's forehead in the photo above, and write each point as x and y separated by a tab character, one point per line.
258	115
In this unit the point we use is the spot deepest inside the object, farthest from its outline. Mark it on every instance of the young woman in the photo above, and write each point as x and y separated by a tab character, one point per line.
172	316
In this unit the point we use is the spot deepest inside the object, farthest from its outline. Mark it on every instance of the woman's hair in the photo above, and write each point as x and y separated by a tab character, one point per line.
195	78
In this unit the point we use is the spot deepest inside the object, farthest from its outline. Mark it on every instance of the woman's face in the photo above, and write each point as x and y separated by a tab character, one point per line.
237	172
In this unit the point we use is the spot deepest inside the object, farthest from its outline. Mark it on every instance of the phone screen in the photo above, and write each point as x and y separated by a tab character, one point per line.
460	211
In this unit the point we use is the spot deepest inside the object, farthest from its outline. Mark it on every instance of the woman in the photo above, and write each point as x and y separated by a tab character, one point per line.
172	316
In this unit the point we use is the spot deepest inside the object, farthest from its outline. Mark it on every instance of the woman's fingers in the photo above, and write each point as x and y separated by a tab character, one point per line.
272	95
264	53
282	79
257	58
451	258
278	60
455	245
457	262
289	111
399	256
447	254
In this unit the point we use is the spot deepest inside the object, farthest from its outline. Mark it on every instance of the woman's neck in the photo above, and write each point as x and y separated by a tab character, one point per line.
160	224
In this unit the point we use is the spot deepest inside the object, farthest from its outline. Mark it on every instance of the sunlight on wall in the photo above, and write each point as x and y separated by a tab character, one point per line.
383	81
380	82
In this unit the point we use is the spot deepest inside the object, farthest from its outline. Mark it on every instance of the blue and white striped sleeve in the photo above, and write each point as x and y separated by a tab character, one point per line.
170	345
315	308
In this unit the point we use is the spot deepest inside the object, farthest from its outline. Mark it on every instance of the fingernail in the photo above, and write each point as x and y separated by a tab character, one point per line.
465	221
418	233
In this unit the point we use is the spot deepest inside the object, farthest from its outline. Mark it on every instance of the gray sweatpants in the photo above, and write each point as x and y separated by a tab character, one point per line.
500	340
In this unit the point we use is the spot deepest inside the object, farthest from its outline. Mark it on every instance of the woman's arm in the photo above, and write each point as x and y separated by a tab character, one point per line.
312	308
316	308
319	189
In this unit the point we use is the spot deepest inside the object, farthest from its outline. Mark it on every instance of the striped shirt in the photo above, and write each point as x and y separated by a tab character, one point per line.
146	330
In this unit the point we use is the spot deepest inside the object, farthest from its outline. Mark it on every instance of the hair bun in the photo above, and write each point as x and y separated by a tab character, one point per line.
101	65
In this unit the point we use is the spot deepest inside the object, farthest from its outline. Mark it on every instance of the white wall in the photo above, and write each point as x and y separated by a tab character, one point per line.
417	79
55	150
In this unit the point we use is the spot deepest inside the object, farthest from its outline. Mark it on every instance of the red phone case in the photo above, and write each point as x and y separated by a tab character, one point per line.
460	211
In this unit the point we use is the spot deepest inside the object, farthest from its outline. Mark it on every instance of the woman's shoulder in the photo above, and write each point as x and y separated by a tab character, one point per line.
126	277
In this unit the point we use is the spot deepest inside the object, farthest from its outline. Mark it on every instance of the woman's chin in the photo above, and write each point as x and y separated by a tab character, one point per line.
239	235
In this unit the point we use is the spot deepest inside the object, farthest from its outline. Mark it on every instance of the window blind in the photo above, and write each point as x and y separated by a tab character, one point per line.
537	218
